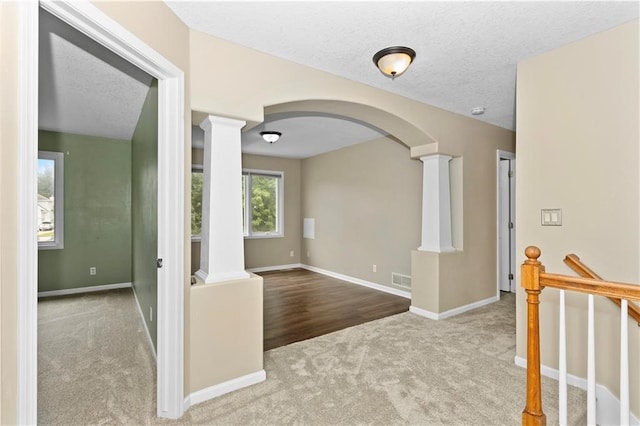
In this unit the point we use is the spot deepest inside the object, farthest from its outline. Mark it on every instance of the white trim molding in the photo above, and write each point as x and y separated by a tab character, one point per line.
275	268
353	280
95	24
58	196
607	404
452	312
347	278
78	290
144	325
224	388
27	247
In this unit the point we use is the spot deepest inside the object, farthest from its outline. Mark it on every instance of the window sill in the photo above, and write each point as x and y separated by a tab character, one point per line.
50	246
263	236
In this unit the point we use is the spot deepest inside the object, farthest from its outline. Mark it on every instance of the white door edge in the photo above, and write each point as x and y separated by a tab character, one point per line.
500	154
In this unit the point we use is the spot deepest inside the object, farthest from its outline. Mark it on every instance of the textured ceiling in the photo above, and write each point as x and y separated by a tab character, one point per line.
85	88
466	57
467	52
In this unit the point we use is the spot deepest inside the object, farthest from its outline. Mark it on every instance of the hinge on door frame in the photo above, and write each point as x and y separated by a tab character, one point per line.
510	173
510	276
510	225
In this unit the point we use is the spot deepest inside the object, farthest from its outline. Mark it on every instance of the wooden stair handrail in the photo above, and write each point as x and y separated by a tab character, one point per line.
574	262
533	281
591	286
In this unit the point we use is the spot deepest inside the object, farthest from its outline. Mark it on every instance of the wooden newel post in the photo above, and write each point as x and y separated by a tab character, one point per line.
530	274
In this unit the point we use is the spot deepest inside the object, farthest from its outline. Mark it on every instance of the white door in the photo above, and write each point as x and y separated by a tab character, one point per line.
506	226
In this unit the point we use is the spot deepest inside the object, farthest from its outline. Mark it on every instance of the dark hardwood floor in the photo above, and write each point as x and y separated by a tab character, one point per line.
300	304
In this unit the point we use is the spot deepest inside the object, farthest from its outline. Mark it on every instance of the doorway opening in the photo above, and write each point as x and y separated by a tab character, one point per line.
506	235
88	19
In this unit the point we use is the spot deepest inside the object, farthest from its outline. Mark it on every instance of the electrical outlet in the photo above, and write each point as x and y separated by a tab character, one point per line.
151	313
375	268
291	253
93	270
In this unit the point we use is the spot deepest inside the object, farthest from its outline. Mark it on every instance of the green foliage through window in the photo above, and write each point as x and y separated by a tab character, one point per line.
261	192
264	201
196	202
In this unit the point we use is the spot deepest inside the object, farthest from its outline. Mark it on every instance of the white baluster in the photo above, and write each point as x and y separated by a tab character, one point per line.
591	365
624	363
562	380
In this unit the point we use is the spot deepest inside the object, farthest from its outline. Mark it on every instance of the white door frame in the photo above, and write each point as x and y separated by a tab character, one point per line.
171	278
507	156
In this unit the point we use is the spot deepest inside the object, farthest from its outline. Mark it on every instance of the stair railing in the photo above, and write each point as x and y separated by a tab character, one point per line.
574	262
534	280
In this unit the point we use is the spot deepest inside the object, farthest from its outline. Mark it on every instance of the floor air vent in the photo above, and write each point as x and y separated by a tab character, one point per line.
401	281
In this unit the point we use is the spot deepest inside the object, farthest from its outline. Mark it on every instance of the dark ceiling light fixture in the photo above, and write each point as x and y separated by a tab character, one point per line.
270	136
393	61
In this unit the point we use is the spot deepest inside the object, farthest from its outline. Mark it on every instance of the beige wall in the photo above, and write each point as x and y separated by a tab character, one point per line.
366	201
578	150
8	216
261	252
227	320
468	275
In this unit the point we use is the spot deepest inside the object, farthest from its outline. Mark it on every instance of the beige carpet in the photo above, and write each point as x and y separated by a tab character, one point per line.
398	370
94	362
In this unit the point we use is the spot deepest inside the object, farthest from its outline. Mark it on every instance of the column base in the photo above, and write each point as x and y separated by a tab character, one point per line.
216	278
448	249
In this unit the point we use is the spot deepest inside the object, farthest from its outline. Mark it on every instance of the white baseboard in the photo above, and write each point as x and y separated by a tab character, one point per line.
223	388
83	289
452	312
275	268
353	280
607	404
552	373
144	324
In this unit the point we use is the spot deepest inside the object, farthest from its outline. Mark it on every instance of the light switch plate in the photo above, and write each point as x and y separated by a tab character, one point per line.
551	217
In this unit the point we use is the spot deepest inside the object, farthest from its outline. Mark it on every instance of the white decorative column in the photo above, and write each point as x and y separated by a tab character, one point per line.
436	204
222	240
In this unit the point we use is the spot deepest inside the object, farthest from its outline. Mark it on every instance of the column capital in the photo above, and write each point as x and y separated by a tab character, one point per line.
436	156
213	120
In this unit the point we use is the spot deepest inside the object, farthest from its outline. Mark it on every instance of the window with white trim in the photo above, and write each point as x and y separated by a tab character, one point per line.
50	200
262	203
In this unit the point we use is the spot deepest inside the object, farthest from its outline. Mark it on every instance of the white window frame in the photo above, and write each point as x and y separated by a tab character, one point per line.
58	200
198	168
279	208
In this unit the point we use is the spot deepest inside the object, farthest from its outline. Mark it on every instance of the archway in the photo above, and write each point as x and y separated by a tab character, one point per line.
402	130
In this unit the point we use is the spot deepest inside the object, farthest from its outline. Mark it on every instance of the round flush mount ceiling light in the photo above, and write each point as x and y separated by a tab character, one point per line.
477	111
394	61
269	136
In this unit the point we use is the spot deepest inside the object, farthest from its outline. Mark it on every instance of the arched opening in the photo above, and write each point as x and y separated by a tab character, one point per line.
401	129
362	199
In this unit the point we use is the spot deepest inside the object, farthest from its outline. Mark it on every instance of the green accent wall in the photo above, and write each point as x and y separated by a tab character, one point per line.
97	213
144	195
